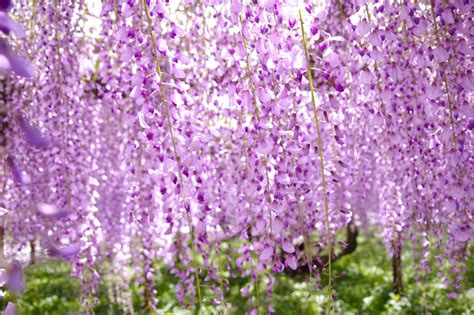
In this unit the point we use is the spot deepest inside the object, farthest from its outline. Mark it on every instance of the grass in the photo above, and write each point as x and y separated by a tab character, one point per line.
363	285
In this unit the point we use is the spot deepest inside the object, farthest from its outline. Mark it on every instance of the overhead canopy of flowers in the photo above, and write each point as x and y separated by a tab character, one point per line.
182	130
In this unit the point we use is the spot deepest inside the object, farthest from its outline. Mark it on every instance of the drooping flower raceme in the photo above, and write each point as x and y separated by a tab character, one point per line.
250	129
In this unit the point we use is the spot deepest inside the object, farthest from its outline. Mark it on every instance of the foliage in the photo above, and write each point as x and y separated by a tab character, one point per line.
50	290
363	285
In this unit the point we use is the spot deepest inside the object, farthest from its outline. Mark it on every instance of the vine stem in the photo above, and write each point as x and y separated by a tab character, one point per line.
2	219
221	282
173	142
323	178
257	294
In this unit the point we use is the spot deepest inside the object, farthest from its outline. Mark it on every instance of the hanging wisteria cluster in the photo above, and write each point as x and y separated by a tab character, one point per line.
182	131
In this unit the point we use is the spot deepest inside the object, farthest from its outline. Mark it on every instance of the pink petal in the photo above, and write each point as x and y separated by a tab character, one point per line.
291	262
260	226
433	92
283	179
3	277
9	61
441	54
264	148
10	309
277	226
333	59
452	295
266	254
33	135
51	211
65	252
288	247
201	227
8	24
244	291
363	28
236	7
15	278
264	96
169	229
126	55
461	233
179	73
3	211
447	16
15	171
142	121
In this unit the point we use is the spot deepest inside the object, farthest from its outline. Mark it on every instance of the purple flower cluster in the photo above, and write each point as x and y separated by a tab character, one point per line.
187	131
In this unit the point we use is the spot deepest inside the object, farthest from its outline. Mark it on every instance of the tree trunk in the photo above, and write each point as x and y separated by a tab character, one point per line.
397	265
2	238
322	262
32	252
